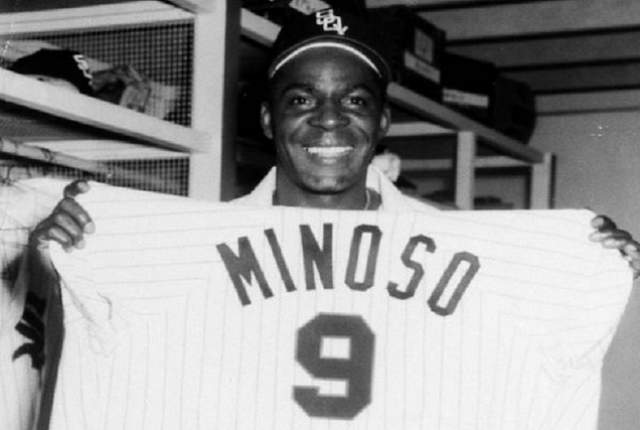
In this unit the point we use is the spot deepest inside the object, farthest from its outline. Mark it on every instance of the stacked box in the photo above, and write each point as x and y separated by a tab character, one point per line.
279	11
415	47
513	110
468	85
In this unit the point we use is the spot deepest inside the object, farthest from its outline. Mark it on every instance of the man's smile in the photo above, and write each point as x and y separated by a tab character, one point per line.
328	151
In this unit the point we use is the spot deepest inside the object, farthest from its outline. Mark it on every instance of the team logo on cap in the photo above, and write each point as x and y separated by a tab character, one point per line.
330	22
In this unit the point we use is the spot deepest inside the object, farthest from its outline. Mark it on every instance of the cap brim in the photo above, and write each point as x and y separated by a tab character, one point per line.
367	55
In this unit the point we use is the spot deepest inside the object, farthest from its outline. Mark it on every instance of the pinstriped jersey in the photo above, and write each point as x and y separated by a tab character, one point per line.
185	314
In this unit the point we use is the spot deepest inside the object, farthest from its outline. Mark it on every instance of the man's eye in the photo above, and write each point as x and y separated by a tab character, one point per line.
299	100
356	101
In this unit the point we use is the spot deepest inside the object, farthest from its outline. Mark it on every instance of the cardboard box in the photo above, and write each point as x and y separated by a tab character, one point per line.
415	46
468	85
513	110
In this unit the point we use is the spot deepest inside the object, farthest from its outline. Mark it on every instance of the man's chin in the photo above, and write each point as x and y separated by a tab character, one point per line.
326	185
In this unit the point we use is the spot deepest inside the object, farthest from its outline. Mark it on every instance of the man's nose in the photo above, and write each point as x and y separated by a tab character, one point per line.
329	116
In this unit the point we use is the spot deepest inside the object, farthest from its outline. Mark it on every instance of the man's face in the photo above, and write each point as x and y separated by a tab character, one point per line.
326	113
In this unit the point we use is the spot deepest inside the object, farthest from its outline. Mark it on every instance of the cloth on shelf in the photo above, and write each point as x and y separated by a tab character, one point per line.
64	64
127	87
119	84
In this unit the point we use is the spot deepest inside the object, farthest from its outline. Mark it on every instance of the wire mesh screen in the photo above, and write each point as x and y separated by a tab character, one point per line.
170	176
160	52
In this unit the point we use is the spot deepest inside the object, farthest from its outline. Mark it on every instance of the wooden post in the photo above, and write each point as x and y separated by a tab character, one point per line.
465	170
215	66
542	183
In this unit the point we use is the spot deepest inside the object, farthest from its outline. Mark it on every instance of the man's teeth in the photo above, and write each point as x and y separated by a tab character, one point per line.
328	150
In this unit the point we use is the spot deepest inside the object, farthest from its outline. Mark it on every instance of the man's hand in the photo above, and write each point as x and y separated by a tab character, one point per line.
610	236
67	223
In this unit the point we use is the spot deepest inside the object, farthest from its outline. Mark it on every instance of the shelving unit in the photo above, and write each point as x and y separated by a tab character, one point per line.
71	126
439	119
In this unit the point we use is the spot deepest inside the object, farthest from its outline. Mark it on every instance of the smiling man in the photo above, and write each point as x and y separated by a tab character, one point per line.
326	111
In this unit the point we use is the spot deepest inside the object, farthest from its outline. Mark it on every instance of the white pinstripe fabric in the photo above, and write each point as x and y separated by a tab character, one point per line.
157	338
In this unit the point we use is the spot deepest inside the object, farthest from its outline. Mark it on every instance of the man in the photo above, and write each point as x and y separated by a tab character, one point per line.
326	111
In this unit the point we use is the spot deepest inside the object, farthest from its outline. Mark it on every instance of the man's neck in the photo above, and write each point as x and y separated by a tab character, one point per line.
289	194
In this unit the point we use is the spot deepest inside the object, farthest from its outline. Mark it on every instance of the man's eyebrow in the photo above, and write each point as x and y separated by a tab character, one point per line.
363	87
298	86
309	87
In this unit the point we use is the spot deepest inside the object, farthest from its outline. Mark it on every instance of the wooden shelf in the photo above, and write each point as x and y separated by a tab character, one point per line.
263	31
85	17
106	150
194	5
496	162
417	128
442	115
258	28
103	116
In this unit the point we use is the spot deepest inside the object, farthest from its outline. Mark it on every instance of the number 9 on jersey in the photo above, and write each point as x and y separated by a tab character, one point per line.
356	370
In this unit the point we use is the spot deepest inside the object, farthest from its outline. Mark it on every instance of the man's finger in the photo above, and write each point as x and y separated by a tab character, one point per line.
634	261
76	187
72	229
602	236
615	242
602	222
79	215
632	249
57	234
635	265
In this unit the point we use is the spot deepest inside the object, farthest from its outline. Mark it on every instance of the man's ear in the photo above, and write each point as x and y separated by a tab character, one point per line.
385	121
265	120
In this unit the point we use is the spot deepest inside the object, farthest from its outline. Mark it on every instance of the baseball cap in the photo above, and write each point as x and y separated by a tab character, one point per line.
57	63
330	28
